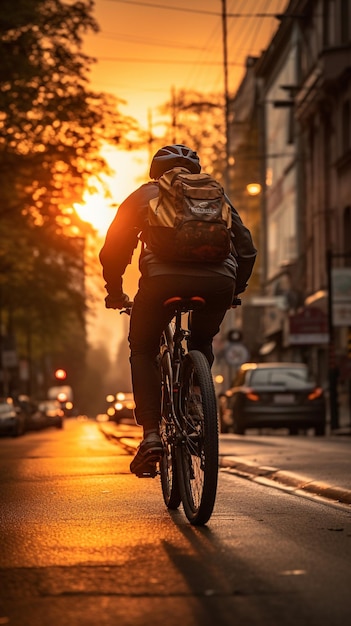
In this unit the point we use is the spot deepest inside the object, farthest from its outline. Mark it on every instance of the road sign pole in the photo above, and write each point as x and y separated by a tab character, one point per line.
333	371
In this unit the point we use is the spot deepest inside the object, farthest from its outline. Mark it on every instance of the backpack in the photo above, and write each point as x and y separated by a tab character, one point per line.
190	219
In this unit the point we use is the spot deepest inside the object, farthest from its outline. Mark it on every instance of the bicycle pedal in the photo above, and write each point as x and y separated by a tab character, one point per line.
148	474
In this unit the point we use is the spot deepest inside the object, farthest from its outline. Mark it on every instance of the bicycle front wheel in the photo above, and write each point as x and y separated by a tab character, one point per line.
197	455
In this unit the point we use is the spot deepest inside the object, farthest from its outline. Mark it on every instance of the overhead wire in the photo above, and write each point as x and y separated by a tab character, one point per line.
190	10
237	31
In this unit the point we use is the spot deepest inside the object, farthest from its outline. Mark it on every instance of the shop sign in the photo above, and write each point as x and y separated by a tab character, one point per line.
309	327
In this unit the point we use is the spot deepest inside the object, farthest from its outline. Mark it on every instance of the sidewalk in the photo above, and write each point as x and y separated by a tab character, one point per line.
317	466
306	465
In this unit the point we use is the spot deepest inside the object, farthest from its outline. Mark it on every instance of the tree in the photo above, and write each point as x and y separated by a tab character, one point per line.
197	120
52	128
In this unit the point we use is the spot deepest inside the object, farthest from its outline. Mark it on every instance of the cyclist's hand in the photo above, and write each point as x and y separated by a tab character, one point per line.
236	302
120	301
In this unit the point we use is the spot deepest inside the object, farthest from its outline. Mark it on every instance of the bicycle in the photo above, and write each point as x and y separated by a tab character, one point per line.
189	424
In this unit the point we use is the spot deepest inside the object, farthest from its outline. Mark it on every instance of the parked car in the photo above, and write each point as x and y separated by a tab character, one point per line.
273	395
54	414
34	418
124	406
12	419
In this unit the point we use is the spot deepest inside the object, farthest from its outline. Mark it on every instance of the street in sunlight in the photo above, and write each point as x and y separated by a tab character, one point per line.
85	542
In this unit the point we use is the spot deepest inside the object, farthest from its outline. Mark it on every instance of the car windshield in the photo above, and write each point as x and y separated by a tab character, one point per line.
281	376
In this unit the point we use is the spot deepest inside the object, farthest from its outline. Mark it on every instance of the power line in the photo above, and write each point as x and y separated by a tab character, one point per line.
147	41
165	61
188	10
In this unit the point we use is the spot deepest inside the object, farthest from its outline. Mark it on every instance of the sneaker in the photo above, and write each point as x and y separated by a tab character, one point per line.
149	453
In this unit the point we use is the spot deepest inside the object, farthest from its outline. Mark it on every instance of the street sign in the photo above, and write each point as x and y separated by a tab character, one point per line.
236	354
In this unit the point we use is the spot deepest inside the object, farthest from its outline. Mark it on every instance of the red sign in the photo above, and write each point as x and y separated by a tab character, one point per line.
309	321
310	326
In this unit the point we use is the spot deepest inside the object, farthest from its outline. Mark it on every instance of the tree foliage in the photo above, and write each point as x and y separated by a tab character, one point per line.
197	120
52	127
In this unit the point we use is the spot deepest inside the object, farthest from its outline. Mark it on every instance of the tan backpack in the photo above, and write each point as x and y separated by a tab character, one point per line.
190	220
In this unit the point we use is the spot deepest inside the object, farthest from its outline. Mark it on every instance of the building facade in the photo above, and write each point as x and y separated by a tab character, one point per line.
303	111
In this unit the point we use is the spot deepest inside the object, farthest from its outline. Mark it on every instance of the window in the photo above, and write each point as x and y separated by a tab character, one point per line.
282	376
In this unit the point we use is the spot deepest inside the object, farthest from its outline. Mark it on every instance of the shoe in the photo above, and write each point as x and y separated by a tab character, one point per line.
149	453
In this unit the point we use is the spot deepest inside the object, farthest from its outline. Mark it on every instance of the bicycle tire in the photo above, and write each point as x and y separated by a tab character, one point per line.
197	455
168	463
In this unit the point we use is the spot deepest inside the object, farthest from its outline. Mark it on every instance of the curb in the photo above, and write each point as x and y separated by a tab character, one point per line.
292	481
270	476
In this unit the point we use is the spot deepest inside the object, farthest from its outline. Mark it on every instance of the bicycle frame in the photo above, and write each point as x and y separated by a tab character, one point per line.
173	338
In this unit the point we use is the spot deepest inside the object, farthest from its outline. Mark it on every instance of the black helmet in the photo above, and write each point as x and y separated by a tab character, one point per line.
176	155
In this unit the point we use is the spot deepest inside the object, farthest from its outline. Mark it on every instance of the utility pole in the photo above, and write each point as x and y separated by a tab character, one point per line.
174	105
226	94
150	135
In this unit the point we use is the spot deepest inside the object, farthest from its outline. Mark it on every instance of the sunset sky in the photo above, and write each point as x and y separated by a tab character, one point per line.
144	50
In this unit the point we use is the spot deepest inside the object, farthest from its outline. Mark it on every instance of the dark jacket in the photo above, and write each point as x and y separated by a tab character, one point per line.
130	224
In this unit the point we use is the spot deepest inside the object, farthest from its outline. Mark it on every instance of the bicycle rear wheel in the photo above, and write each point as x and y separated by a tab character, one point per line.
197	456
168	471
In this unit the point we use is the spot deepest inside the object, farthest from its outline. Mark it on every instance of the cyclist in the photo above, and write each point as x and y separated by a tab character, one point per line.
217	283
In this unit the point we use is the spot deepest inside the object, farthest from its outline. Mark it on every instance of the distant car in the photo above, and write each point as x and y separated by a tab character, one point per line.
12	419
34	418
124	406
273	395
54	414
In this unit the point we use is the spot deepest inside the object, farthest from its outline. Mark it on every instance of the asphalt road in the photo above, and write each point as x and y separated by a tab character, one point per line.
84	542
306	465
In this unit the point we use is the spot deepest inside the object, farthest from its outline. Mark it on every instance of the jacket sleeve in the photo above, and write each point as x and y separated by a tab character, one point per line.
244	251
122	236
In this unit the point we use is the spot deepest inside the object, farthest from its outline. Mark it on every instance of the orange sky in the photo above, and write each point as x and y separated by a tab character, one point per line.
146	48
143	50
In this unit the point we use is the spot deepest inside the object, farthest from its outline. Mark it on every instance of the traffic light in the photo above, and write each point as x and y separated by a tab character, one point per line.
60	374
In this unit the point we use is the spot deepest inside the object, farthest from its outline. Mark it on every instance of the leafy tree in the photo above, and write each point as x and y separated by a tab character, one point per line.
197	120
52	128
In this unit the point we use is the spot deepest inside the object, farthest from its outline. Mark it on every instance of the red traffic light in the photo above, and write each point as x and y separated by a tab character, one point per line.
60	374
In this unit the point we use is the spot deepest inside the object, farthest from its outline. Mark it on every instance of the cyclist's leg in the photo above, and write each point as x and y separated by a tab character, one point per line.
148	319
205	322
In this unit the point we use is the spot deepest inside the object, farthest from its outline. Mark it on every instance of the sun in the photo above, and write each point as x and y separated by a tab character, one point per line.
96	210
128	173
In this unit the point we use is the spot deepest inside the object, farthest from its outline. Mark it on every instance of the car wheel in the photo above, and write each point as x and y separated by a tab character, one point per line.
293	430
18	430
319	431
238	428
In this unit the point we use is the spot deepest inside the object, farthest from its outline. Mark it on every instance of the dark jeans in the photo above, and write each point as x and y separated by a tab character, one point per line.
149	318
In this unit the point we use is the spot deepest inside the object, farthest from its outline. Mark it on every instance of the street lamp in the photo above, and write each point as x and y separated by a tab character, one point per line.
253	189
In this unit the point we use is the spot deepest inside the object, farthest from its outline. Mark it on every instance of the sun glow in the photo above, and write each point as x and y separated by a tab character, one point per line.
128	173
96	210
